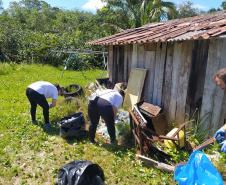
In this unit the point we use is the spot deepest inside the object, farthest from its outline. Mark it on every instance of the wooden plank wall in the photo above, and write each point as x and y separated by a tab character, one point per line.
149	64
168	80
197	77
159	73
214	100
183	79
172	70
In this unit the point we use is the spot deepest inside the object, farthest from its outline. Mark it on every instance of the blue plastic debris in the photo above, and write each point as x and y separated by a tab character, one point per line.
198	171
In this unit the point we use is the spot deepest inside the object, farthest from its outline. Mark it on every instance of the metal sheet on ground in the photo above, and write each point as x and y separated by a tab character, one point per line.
135	87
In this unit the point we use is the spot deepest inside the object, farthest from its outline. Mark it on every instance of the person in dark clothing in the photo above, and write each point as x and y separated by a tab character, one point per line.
104	104
37	93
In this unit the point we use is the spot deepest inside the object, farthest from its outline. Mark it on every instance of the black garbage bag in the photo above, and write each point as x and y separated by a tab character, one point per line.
81	172
72	126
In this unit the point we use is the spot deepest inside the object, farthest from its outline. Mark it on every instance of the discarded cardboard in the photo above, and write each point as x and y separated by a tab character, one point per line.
134	88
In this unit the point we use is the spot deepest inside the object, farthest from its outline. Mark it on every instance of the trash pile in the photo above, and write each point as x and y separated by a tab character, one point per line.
122	126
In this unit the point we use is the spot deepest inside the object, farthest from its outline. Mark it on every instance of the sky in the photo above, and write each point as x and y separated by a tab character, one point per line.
93	5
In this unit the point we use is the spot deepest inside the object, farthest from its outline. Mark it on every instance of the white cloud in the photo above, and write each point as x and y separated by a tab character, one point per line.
199	6
93	5
7	2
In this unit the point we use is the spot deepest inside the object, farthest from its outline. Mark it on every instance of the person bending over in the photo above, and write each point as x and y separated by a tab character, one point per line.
104	104
37	94
220	79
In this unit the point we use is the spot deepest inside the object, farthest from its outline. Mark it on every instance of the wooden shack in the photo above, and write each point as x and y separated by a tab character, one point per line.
181	56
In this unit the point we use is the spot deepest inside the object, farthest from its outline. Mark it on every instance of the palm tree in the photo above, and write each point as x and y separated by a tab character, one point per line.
140	12
128	9
157	10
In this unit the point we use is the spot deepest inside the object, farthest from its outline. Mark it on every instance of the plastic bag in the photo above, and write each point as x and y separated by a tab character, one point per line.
81	172
71	126
198	171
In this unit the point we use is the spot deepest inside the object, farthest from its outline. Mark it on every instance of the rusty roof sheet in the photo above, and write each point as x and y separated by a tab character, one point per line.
192	28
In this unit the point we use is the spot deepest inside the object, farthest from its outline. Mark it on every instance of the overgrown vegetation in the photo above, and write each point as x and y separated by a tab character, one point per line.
31	29
28	155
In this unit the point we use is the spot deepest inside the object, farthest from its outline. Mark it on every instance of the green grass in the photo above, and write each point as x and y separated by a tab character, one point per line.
28	155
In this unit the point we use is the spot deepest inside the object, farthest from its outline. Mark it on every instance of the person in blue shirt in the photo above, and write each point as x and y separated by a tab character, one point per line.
220	80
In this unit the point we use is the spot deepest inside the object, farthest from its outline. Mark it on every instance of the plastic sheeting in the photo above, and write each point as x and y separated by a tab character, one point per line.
71	126
198	171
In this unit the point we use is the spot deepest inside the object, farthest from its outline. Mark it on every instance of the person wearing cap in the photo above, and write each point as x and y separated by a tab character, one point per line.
104	104
37	94
220	80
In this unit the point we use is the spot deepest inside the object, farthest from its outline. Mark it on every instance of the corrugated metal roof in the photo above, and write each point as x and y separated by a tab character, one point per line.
199	27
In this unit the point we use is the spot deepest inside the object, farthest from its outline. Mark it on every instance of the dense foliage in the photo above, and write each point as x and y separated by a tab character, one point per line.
31	29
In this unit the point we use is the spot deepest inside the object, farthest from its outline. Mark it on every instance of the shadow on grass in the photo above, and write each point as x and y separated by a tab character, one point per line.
119	150
82	137
53	131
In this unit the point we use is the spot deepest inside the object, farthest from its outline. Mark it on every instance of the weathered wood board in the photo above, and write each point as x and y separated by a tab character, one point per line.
175	80
167	80
183	80
134	88
213	103
126	52
134	56
110	63
149	82
159	73
197	78
140	56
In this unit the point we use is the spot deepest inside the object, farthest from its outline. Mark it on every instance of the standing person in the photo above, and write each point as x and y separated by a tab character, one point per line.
37	93
220	79
104	104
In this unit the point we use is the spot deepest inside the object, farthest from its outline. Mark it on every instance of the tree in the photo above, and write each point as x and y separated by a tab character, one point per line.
1	6
187	10
212	10
135	13
125	13
223	5
157	10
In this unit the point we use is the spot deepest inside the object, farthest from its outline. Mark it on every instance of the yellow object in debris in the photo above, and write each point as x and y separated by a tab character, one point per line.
170	144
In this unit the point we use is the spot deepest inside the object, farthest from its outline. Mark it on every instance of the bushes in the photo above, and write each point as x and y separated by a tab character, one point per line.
30	30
